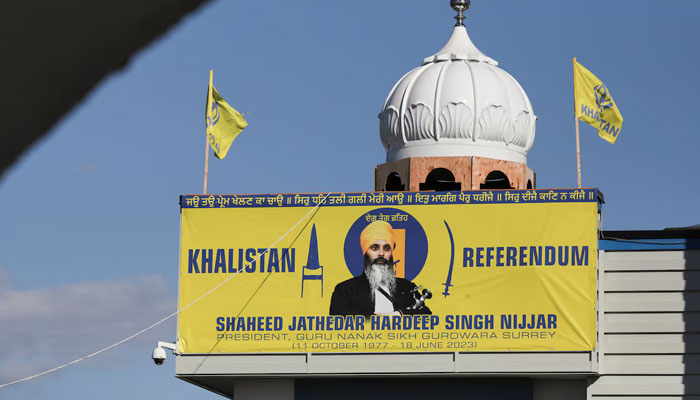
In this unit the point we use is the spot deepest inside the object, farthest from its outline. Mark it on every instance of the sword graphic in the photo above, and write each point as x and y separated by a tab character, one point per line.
448	281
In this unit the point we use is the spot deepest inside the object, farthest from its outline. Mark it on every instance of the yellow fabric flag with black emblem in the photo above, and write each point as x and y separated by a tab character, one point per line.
224	123
594	104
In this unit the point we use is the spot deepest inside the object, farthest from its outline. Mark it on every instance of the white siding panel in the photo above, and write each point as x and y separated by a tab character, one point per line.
670	343
636	302
669	385
650	260
652	322
651	364
649	281
649	327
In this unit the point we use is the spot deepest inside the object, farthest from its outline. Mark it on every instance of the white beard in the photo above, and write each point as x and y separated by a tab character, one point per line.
381	275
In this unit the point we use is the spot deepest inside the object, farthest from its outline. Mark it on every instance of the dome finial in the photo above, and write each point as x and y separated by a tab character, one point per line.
460	6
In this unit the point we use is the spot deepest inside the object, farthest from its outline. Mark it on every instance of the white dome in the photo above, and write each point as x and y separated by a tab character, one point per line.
457	103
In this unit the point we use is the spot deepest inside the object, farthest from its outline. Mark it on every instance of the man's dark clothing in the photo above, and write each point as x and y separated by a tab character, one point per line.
353	297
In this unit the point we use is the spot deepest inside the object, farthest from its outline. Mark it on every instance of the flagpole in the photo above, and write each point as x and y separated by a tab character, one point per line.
209	127
578	154
578	143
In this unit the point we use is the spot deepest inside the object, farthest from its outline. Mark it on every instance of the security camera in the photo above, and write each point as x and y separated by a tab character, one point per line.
159	355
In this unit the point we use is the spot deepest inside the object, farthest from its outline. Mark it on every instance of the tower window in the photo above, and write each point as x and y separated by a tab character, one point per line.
393	183
440	179
496	180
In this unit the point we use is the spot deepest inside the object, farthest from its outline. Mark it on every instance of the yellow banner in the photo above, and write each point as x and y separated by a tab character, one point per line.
508	275
594	104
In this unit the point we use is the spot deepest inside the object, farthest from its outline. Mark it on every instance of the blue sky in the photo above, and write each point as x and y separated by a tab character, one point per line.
90	215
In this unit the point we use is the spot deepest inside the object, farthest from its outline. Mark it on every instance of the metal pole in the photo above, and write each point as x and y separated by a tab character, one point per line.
578	154
209	128
578	142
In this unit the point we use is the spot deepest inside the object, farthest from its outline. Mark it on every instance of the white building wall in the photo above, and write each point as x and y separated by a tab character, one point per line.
649	328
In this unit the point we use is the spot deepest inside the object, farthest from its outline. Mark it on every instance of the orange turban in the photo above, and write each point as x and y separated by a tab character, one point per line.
377	230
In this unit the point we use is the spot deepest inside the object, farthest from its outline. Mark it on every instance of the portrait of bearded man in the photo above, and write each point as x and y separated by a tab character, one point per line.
377	290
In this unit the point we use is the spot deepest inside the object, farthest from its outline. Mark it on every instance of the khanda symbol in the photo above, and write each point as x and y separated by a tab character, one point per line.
211	121
602	97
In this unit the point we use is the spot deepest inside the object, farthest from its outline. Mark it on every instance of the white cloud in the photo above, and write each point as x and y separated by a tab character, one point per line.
43	328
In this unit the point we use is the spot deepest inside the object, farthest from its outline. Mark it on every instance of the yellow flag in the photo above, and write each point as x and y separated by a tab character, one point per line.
594	104
224	123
